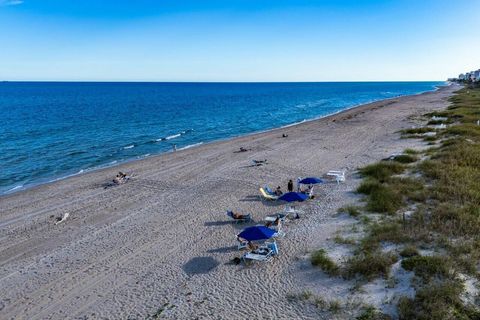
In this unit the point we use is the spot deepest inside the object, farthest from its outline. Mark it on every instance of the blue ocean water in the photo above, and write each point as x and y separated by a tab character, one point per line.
51	130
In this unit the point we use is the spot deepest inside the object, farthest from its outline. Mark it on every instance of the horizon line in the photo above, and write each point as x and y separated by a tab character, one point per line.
191	81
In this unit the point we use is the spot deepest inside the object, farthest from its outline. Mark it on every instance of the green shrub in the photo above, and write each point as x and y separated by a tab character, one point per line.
370	313
405	158
382	170
319	258
369	265
387	231
341	240
437	301
409	251
427	267
411	151
351	210
384	200
421	130
369	186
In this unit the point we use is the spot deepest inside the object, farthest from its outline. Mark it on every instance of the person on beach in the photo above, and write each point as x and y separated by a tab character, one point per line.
119	178
174	147
278	191
298	184
251	246
290	185
274	223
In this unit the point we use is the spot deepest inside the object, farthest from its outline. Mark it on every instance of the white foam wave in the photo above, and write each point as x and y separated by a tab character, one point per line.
173	136
190	146
14	188
129	147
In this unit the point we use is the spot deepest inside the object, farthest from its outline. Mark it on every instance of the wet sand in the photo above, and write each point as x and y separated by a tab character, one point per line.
162	242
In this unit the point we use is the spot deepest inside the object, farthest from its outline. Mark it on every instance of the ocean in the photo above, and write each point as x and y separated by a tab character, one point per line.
51	130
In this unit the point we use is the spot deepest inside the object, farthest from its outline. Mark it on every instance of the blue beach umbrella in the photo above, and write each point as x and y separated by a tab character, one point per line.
257	233
294	197
311	180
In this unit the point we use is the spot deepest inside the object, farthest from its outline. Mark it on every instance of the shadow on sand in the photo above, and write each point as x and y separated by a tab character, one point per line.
224	249
200	265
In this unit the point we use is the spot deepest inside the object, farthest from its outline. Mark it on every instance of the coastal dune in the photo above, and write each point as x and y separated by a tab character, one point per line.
161	243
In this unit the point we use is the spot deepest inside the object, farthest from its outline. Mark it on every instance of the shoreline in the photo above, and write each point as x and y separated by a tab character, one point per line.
162	242
23	188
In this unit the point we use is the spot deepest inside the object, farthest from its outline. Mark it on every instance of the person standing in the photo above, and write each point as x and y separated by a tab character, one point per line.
290	185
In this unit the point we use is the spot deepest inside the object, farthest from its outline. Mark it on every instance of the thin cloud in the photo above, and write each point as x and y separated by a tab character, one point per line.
4	3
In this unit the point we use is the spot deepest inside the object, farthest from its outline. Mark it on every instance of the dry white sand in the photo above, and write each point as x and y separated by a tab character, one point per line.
162	241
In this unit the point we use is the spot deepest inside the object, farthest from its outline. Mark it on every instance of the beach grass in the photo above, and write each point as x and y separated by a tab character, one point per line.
321	259
443	191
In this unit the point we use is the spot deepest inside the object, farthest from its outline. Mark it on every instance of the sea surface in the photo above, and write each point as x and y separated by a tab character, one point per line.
51	130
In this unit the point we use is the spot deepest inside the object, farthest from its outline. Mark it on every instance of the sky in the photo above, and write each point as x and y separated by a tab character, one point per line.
238	40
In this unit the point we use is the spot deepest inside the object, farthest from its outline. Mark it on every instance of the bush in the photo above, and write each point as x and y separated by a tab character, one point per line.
410	151
351	210
409	251
319	258
382	170
427	267
369	186
421	130
369	265
384	200
370	313
437	301
390	231
405	158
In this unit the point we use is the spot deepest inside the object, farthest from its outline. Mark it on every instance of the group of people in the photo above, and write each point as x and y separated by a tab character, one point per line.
308	190
279	191
120	178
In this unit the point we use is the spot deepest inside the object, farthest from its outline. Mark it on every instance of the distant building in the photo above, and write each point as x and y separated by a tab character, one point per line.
461	77
476	75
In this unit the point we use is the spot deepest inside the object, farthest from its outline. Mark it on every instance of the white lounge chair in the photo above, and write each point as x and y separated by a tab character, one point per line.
263	253
338	175
267	194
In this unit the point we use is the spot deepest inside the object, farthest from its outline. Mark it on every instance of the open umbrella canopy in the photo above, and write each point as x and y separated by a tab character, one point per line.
293	197
311	180
257	233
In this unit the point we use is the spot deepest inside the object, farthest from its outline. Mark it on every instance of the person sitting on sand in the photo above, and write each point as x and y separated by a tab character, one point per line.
278	191
120	178
274	223
236	215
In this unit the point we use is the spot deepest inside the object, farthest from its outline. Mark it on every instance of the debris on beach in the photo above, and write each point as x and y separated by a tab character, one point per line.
62	219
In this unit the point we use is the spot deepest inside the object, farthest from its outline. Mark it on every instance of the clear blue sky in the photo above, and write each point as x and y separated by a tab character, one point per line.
238	40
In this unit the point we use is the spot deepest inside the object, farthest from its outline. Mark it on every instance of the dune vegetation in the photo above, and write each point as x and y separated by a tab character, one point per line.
426	204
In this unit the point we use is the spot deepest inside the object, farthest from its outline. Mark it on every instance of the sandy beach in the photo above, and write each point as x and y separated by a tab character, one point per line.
162	241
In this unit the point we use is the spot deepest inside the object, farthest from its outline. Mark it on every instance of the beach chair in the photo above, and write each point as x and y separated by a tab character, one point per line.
264	253
244	218
338	175
282	216
267	195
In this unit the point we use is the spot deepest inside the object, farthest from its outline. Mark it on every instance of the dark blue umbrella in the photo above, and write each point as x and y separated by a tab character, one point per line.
257	233
293	197
311	180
